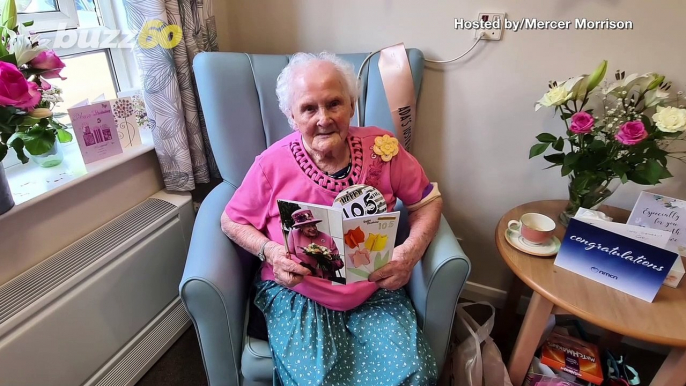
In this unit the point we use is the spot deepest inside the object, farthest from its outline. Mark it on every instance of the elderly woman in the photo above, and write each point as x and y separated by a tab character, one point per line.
320	333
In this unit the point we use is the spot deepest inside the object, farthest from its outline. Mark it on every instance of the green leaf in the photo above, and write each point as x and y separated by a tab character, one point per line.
647	123
653	171
623	178
18	146
556	158
596	145
3	152
25	120
565	170
38	140
3	50
665	174
565	116
546	138
359	272
571	159
620	168
9	58
559	144
64	136
28	23
5	128
537	149
638	176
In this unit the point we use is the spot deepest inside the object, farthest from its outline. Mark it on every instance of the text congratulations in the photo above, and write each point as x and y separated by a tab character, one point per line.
628	255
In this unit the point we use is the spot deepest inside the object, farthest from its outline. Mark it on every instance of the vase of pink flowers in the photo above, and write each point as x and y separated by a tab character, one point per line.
615	132
27	122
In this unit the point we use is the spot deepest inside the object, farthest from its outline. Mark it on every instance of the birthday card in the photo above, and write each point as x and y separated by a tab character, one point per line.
343	243
95	130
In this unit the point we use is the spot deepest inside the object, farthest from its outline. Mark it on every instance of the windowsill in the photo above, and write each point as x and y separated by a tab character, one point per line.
30	183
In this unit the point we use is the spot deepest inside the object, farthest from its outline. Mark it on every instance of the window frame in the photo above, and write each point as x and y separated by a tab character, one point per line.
65	16
112	15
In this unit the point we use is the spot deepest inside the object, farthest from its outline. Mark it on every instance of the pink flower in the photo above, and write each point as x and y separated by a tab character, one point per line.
44	84
631	133
582	123
48	60
15	90
360	257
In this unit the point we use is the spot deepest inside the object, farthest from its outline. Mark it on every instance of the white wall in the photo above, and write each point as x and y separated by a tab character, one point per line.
476	121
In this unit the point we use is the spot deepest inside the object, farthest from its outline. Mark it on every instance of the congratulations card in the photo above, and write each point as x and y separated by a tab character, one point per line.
627	265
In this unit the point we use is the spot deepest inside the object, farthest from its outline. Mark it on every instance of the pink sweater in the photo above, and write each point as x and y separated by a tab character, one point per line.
285	171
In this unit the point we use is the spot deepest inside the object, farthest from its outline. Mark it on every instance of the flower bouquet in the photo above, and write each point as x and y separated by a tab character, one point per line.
322	254
616	132
325	261
26	98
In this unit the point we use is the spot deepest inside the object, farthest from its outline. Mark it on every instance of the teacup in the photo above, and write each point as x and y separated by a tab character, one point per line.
534	227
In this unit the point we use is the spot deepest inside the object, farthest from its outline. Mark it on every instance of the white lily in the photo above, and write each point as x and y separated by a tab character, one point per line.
629	82
655	96
559	94
21	45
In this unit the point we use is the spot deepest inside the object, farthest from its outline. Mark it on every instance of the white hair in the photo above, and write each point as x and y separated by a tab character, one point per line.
302	59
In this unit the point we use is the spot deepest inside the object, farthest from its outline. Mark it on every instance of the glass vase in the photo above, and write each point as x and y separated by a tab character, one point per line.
592	196
50	158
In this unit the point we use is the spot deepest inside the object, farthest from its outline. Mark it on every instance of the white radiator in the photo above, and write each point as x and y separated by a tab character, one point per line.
104	309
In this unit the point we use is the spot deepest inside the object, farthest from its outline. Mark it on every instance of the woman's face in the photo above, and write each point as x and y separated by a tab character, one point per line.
321	108
309	230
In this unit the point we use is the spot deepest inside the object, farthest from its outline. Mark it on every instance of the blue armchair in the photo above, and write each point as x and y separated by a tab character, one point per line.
237	94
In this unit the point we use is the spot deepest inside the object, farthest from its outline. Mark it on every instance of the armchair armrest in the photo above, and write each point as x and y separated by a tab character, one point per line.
435	287
214	289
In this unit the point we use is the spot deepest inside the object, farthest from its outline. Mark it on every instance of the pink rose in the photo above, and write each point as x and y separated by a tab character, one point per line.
15	90
582	123
48	60
631	133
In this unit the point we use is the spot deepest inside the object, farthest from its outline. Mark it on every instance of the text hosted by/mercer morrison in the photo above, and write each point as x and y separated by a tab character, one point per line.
538	24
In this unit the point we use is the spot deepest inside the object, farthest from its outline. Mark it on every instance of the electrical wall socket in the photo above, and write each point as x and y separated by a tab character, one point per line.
492	24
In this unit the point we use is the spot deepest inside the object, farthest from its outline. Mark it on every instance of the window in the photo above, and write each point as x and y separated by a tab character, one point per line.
81	84
92	67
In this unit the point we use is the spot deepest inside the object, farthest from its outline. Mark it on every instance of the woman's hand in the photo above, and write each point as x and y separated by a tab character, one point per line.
423	226
287	272
396	273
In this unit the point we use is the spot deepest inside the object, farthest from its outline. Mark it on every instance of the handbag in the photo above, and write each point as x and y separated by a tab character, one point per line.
476	359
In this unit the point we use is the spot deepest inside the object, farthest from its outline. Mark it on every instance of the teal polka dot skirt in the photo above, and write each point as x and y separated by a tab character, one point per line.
377	343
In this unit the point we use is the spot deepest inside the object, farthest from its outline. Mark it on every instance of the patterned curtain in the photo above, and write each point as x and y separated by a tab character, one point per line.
168	84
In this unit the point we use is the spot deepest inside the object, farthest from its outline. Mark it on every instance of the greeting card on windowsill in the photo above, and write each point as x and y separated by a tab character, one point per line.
635	267
95	129
126	118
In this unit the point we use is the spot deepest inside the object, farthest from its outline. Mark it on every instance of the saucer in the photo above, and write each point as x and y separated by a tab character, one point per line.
549	248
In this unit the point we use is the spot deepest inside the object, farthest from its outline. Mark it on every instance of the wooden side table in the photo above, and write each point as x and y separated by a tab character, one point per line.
558	291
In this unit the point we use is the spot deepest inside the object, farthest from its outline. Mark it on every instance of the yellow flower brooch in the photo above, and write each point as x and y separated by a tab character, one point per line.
386	147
